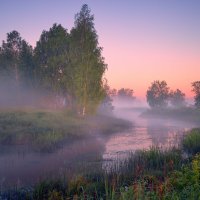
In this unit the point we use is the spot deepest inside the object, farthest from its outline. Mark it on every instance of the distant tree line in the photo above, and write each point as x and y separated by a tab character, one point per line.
159	95
122	94
63	63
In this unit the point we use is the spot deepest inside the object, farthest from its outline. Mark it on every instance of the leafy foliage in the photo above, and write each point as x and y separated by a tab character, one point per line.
51	56
87	62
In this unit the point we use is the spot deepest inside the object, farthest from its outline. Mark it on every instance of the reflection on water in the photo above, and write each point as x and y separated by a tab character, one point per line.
144	134
20	165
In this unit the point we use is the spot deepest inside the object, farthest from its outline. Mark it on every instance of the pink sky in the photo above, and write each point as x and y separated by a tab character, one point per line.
135	66
137	63
143	40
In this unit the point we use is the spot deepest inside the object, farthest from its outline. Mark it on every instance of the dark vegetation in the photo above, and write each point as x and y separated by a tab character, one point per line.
146	174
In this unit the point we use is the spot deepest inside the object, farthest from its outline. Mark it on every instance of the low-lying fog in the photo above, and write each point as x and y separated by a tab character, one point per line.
21	166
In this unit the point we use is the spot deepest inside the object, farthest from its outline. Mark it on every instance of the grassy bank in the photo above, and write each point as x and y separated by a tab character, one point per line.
185	113
147	174
45	129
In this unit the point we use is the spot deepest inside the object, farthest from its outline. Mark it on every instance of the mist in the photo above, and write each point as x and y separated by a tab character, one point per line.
22	95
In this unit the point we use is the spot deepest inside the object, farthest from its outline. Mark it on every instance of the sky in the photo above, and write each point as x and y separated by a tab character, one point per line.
142	40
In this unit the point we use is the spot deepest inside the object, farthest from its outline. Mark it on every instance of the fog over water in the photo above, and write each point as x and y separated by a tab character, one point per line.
21	165
145	133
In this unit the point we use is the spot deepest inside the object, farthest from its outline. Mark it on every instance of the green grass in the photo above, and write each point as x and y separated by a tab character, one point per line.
154	161
191	142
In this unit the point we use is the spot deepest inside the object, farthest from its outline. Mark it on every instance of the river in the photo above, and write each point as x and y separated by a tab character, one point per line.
21	166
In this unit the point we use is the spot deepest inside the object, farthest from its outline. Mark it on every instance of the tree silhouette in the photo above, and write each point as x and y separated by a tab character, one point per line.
158	94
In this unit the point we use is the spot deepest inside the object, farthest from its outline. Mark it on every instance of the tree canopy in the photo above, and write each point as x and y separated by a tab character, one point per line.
158	94
87	62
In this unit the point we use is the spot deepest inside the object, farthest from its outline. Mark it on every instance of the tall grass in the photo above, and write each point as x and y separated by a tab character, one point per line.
182	182
191	142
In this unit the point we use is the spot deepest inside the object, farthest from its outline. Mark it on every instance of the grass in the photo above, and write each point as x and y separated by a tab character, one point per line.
154	161
46	129
191	141
181	183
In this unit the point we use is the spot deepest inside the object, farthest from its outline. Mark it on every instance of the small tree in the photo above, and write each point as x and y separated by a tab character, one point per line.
177	98
196	90
158	94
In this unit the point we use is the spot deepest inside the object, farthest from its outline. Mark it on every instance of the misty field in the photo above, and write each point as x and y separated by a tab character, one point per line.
45	129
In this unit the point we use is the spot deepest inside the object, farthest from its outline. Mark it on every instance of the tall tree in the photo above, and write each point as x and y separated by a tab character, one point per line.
10	52
158	94
52	60
196	90
87	62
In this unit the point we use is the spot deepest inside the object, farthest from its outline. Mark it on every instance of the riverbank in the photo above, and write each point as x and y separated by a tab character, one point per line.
44	130
147	174
189	114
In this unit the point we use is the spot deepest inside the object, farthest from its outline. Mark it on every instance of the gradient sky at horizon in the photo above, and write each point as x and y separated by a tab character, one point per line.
142	40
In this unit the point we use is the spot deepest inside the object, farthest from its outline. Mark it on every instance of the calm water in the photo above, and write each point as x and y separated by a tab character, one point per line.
20	165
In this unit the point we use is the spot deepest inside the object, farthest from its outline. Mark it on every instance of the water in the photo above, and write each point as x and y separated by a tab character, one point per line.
21	166
145	133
